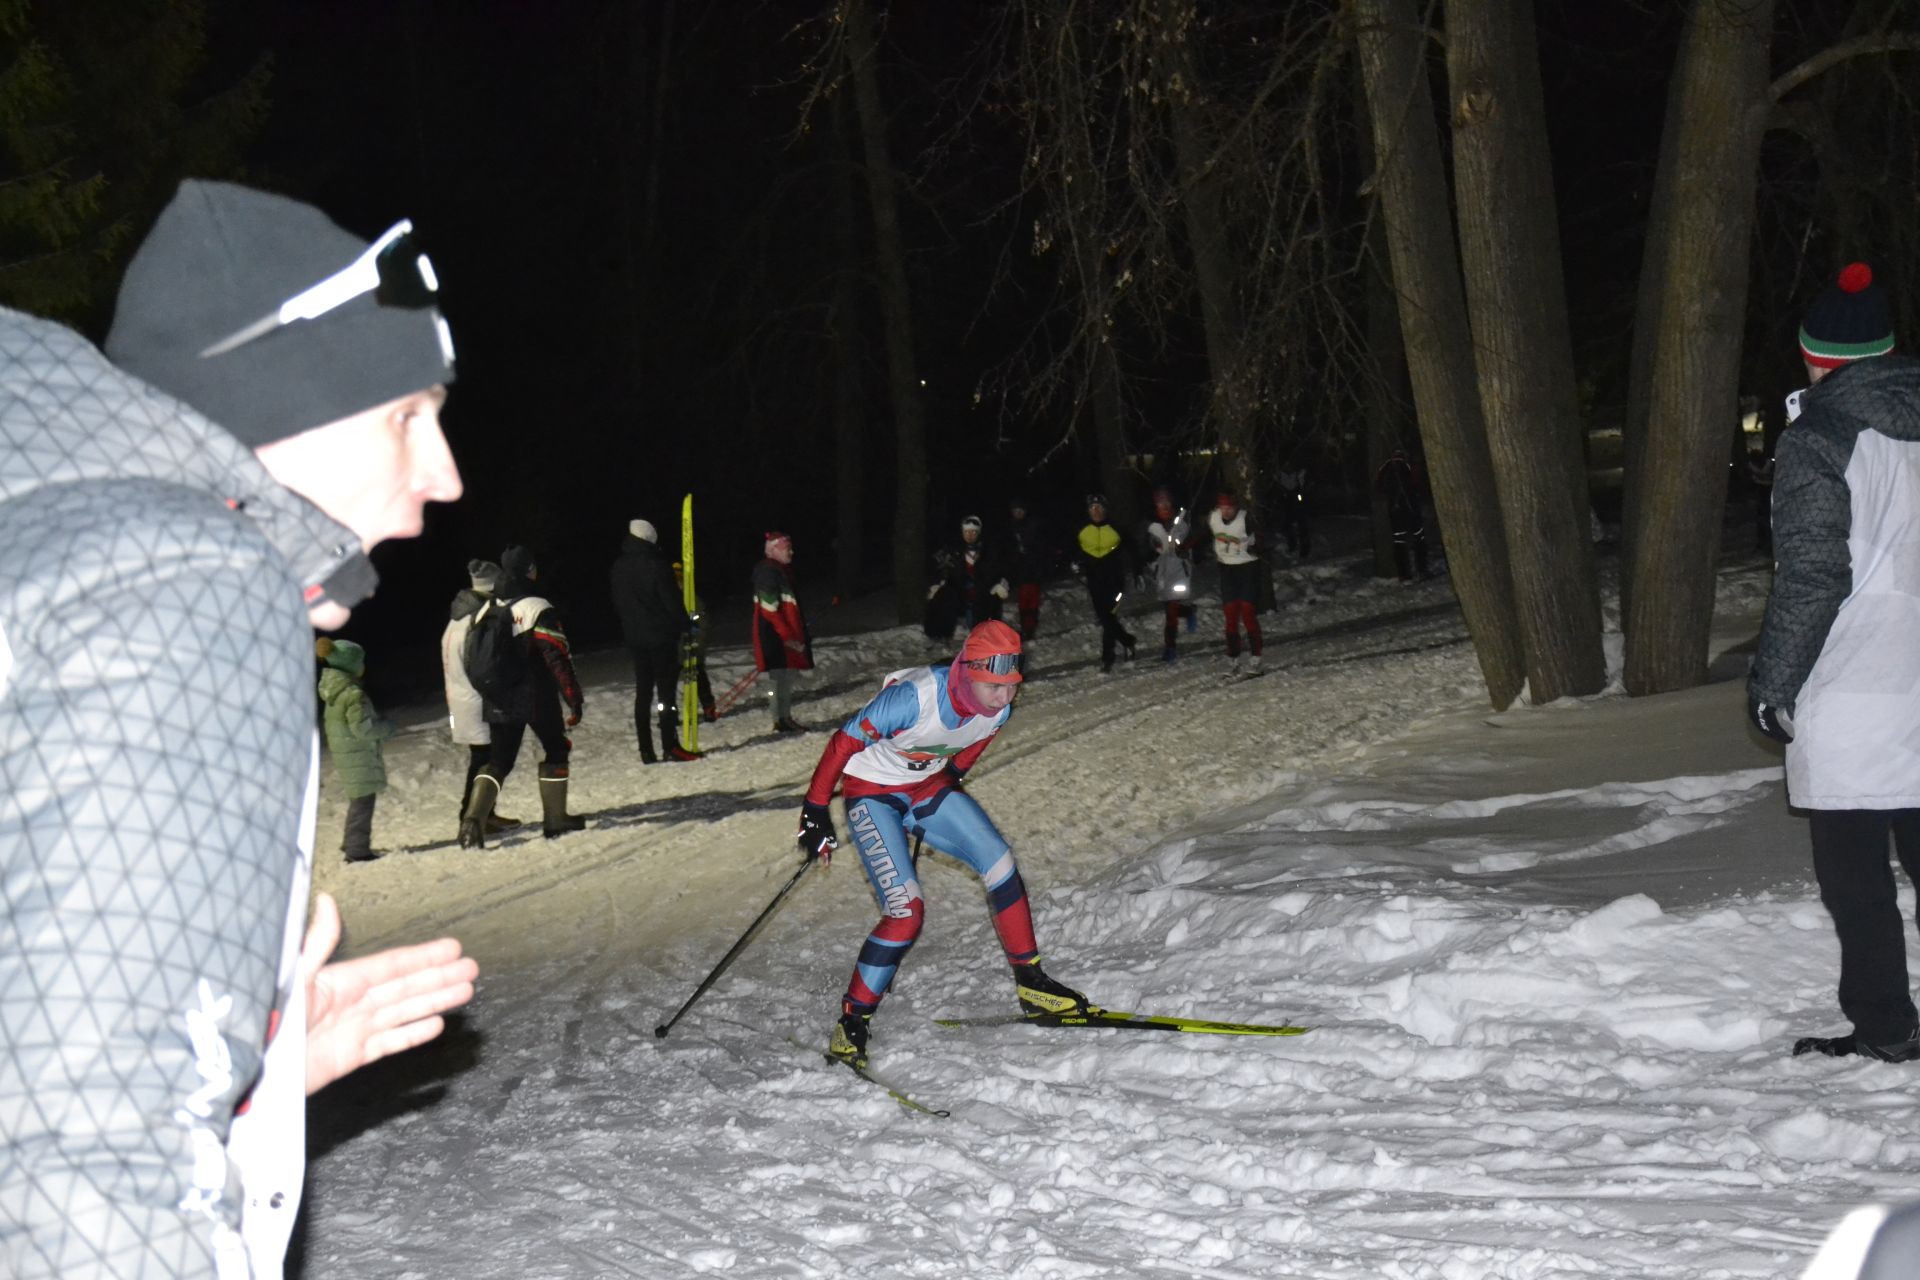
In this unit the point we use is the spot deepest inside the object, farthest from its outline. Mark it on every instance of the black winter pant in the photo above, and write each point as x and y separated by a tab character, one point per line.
357	840
548	727
656	675
1409	541
1856	884
1105	593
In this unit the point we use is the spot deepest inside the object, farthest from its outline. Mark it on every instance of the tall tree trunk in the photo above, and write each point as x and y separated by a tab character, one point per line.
910	471
1433	317
849	454
1704	194
1523	350
1231	406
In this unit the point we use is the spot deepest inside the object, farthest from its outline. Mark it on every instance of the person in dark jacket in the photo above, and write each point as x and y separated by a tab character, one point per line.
548	660
969	586
703	687
1836	673
653	618
1028	565
1399	482
1105	562
782	644
355	731
178	515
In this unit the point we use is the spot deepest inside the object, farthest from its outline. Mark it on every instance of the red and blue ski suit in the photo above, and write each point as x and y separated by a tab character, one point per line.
897	762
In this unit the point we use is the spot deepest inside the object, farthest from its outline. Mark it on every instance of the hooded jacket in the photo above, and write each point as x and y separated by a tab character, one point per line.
156	737
354	734
1840	647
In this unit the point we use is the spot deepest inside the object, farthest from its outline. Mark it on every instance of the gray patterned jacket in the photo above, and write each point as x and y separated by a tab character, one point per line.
156	764
1840	647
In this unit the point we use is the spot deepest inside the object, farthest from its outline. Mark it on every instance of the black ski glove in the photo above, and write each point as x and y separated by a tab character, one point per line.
816	838
1770	720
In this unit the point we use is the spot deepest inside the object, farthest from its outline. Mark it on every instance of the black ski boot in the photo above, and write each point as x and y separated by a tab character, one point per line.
1850	1045
1040	994
849	1043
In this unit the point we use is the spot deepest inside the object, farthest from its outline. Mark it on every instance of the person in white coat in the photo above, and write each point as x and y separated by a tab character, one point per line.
466	712
1836	674
1169	539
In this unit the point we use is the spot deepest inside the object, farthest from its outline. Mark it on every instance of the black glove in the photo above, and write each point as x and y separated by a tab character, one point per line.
816	838
1770	720
956	778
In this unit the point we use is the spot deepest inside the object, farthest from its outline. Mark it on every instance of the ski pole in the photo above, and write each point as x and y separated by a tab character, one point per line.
733	695
660	1032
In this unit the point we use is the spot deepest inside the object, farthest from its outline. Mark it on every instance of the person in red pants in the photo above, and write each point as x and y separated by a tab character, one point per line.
1233	541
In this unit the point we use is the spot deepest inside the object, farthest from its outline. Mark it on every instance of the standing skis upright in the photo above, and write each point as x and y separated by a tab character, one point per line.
689	648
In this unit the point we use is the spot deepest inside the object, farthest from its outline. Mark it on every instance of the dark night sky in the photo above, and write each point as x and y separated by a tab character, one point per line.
612	359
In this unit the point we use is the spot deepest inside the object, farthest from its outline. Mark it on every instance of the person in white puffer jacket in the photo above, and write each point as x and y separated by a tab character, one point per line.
466	711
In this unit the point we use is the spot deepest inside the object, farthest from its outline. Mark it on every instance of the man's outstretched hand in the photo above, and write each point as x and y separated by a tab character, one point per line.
362	1010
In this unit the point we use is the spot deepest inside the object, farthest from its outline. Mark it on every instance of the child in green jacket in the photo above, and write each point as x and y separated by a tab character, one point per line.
354	734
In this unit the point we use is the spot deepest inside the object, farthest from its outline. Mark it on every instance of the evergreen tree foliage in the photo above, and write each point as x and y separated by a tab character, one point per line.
104	107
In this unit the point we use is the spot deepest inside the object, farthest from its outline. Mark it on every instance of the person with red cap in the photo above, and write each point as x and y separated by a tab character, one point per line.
1234	540
782	644
899	762
1836	673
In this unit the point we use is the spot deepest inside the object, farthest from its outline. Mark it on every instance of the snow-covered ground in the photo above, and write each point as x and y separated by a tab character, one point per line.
1553	960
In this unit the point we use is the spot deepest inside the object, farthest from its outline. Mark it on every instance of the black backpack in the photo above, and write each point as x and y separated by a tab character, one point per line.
496	659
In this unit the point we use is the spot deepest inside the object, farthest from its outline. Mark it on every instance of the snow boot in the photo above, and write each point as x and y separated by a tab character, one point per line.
1848	1045
555	820
1255	666
1040	994
473	823
849	1042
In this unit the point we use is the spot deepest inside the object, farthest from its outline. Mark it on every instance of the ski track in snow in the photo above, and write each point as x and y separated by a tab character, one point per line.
1496	1086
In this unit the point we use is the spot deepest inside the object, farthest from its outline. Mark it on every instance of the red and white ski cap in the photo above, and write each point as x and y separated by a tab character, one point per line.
991	654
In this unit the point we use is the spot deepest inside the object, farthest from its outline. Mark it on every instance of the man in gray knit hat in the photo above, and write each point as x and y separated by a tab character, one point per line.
176	517
1836	675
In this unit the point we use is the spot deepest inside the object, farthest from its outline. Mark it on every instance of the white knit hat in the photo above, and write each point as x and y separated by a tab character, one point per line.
643	530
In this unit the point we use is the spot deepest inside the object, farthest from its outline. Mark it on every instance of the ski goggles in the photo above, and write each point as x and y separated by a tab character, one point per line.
393	269
997	664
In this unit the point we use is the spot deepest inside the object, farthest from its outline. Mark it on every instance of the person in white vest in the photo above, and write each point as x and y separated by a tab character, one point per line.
1234	540
900	762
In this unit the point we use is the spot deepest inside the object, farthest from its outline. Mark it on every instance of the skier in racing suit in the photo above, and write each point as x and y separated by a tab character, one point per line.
900	761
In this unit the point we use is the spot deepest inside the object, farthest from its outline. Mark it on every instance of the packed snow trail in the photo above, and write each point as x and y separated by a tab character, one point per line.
1503	1080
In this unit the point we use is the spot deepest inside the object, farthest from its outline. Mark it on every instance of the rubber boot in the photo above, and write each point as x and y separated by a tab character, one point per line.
556	821
474	822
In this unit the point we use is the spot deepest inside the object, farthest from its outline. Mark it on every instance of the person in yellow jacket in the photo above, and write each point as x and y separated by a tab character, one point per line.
1105	561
